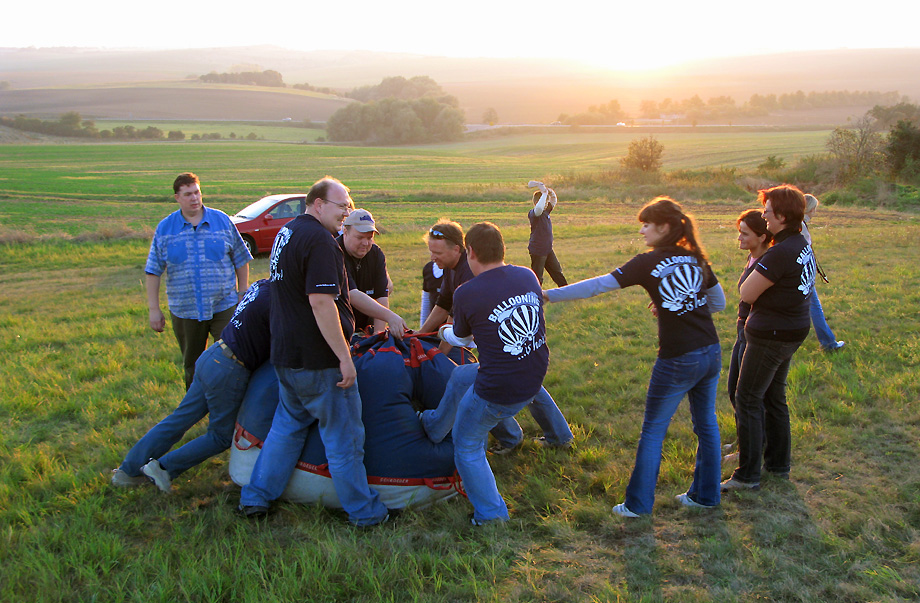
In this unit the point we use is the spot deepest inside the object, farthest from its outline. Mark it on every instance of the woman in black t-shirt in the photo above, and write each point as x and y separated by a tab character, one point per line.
677	276
779	290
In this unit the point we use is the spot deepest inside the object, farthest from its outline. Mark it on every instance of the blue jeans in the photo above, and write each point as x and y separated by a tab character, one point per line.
437	423
825	336
695	374
761	413
475	417
307	396
216	390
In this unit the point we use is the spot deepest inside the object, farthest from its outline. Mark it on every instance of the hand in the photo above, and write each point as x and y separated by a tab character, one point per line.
538	184
349	374
653	309
545	298
397	325
157	320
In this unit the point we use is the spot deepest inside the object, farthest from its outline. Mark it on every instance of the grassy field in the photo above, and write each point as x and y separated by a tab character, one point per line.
83	378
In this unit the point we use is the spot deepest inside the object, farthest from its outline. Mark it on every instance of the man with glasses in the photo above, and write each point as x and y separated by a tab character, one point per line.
445	244
311	323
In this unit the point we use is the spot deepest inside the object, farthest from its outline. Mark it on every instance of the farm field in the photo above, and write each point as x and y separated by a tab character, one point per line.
84	377
128	183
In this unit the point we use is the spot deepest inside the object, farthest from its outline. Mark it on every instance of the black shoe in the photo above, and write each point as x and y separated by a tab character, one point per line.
253	511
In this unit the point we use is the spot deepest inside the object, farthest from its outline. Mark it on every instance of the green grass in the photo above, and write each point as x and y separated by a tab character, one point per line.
83	377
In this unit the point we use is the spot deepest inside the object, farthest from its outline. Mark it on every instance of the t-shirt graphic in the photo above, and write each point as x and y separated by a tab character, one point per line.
809	268
518	321
680	288
281	239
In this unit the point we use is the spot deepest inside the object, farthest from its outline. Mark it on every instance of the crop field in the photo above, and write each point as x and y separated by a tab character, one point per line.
83	377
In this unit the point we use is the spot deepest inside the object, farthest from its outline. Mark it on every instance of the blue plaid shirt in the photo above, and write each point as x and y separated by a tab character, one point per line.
200	263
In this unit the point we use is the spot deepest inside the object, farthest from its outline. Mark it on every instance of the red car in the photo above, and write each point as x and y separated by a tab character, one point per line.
260	222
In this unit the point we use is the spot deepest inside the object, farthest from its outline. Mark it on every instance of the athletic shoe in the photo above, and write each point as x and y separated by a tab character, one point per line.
157	475
544	443
501	449
484	522
833	348
123	480
686	501
253	511
730	459
622	511
733	484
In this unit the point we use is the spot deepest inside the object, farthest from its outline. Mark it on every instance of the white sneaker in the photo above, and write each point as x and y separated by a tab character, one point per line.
123	480
686	501
158	475
622	511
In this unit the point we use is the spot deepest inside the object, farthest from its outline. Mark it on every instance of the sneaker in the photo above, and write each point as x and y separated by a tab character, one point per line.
367	526
733	484
123	480
544	443
833	348
730	459
157	475
484	522
622	511
499	448
253	511
686	501
726	448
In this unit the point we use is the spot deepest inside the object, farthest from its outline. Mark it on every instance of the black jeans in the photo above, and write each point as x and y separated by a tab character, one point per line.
192	336
761	412
538	262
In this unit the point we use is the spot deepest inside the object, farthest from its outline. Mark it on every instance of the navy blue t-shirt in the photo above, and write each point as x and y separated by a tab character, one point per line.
541	232
677	284
305	259
502	309
790	265
248	334
453	278
368	275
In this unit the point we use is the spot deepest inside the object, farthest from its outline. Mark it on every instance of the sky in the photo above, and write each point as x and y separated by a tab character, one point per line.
614	35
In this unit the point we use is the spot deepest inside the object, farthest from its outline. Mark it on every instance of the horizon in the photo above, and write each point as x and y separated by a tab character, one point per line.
615	38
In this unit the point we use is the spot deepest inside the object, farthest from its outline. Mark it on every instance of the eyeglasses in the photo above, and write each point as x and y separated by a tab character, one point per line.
437	234
349	206
767	211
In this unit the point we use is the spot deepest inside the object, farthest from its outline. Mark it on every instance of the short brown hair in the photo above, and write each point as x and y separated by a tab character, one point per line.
486	240
446	230
184	180
787	201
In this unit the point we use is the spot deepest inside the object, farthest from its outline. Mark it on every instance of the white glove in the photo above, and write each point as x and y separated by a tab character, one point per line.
537	184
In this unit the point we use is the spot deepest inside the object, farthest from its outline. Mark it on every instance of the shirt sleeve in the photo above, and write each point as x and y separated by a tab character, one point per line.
583	289
156	263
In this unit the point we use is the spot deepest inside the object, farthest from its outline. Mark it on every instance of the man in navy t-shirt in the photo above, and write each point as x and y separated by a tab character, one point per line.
311	322
502	309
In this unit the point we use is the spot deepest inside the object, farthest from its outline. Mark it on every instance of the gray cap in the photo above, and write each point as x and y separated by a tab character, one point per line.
361	220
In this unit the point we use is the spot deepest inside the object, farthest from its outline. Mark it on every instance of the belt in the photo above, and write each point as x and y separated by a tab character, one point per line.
228	352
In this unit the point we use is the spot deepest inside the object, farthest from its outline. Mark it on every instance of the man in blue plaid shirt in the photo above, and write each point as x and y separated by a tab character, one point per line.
207	270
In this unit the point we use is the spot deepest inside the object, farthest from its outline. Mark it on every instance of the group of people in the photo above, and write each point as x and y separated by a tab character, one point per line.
323	283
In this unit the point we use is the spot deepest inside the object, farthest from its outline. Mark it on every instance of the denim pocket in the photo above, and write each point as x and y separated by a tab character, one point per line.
176	252
214	250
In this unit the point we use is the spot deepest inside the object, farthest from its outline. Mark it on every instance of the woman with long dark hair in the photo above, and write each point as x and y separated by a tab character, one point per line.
779	292
677	276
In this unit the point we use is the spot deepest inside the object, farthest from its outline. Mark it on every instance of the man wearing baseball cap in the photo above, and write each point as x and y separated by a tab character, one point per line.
366	265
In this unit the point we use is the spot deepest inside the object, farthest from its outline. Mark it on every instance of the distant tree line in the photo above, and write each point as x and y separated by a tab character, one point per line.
398	111
761	104
73	125
596	115
269	78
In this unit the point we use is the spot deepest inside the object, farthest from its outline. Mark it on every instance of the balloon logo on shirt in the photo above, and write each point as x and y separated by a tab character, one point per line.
283	236
519	328
680	289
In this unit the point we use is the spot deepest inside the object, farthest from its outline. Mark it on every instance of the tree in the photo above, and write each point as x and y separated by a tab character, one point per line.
649	109
490	116
176	135
902	153
857	151
643	154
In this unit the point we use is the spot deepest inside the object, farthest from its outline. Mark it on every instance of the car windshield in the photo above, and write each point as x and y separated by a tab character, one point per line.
254	210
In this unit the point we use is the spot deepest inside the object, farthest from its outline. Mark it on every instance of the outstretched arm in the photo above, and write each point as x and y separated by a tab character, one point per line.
582	289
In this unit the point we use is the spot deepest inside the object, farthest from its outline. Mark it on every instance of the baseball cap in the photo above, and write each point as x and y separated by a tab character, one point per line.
361	220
